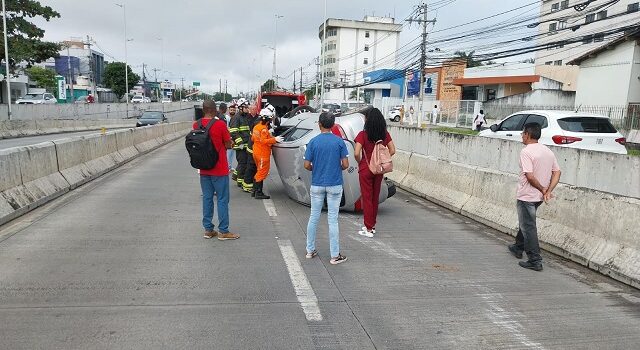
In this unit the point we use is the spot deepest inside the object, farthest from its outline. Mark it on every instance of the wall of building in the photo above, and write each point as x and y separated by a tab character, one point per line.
634	84
595	85
617	16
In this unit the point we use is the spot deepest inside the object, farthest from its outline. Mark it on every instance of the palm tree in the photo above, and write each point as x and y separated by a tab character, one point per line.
468	57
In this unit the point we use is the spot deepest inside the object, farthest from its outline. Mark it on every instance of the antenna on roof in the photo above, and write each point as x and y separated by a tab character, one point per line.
578	109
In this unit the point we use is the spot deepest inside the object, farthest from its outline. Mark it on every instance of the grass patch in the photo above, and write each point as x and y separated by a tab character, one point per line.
460	131
634	152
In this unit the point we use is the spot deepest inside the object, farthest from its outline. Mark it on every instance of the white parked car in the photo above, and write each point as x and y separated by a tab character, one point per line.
394	114
564	129
37	99
138	99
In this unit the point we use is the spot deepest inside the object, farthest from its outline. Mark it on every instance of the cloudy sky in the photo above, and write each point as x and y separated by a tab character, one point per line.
208	40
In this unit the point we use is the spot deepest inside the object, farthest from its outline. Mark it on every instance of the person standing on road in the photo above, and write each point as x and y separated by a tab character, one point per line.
250	170
434	114
326	157
231	153
375	130
216	180
539	175
262	142
240	133
411	111
479	120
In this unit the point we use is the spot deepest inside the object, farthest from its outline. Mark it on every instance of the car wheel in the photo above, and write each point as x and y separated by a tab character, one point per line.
396	118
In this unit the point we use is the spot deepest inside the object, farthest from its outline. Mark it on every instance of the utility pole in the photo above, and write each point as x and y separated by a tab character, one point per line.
70	72
92	69
317	75
225	91
423	57
6	59
323	49
343	80
220	90
294	81
275	48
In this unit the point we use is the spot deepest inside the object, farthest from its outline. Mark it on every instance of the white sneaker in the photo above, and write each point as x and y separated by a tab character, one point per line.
373	230
366	233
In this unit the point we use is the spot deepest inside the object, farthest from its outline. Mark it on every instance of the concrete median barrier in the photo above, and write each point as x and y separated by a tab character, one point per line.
590	226
33	175
26	128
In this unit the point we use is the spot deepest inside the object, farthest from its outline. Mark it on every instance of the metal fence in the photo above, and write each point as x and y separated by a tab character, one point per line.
461	113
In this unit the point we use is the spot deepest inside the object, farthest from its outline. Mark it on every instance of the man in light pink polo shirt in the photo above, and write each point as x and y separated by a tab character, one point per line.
539	175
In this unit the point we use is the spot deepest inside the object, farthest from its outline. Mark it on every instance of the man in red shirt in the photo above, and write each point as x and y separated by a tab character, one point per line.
215	181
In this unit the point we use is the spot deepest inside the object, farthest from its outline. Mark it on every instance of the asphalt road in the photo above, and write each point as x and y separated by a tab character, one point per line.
121	264
31	140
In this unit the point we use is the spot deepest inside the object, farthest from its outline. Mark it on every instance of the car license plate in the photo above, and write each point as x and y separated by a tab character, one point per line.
599	141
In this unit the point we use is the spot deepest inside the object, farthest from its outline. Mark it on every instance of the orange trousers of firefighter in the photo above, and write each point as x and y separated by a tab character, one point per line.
262	142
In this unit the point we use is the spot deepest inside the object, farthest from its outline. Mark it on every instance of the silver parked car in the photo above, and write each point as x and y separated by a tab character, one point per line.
289	159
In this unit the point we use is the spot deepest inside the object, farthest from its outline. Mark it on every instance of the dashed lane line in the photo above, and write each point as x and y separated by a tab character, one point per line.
270	207
304	292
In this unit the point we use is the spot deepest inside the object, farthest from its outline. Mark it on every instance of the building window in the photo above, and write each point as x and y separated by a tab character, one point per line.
555	7
587	39
564	4
548	63
366	61
590	18
633	7
552	28
602	15
366	47
330	46
366	34
557	63
562	24
598	37
332	32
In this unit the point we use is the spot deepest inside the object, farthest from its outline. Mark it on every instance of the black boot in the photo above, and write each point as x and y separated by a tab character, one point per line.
259	193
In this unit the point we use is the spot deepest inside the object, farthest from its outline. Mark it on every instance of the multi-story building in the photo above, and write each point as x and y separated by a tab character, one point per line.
353	48
566	20
81	59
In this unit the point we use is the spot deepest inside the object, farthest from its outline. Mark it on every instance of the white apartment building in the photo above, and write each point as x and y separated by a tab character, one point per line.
355	47
567	23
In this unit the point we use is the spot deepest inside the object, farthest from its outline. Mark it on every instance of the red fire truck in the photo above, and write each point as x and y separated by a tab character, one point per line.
283	101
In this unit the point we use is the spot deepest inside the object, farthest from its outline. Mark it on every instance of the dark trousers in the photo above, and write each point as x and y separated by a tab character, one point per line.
527	238
370	185
250	171
241	157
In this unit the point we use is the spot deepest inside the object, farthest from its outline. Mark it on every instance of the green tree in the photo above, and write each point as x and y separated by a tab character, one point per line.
268	85
309	94
222	97
25	38
114	78
468	57
44	78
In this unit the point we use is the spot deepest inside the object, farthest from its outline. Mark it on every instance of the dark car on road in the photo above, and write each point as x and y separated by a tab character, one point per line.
151	118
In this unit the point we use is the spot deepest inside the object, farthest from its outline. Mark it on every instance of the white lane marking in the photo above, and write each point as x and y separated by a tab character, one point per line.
270	207
306	297
501	317
380	246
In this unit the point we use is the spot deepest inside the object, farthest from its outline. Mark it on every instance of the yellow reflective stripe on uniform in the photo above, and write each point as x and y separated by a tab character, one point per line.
238	140
233	129
249	150
244	128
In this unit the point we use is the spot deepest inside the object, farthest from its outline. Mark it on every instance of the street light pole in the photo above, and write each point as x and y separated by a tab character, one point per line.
6	58
275	48
323	49
126	63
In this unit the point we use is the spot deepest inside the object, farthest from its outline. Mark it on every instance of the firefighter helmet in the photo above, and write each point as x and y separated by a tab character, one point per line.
266	114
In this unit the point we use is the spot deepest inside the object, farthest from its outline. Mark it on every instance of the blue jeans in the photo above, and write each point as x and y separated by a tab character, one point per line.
220	186
333	195
231	155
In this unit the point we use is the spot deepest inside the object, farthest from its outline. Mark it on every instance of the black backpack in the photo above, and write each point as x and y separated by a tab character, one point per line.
201	151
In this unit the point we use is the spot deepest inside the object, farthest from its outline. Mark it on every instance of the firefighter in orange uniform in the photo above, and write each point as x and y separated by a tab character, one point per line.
262	142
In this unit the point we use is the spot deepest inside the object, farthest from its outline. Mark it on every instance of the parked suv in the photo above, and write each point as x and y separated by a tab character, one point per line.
564	129
37	99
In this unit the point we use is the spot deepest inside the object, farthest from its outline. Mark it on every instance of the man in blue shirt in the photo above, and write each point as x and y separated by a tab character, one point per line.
326	157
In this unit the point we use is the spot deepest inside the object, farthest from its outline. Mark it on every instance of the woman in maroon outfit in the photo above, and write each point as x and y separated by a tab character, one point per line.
375	129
